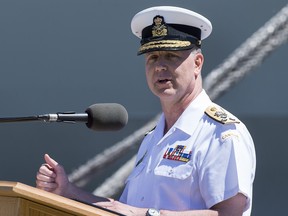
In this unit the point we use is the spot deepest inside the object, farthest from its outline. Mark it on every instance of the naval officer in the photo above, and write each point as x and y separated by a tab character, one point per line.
199	159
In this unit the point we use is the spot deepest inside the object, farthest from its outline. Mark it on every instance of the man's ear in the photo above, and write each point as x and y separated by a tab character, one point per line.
198	61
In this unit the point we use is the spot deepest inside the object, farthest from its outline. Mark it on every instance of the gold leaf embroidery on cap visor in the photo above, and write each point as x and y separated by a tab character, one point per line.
164	44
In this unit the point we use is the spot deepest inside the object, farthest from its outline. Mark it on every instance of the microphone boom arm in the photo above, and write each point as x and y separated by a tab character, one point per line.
100	117
70	117
19	119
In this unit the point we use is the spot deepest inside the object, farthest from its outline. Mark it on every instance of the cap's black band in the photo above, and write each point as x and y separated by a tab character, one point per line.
175	29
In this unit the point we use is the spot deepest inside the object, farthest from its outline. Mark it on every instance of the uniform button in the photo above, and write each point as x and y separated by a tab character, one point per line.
142	199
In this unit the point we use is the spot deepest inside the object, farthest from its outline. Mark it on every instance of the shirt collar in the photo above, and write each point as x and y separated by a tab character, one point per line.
189	119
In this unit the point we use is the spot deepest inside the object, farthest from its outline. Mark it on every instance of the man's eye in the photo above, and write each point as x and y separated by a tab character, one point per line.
171	56
152	57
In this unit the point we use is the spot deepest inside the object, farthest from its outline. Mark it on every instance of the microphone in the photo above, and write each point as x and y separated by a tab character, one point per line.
101	117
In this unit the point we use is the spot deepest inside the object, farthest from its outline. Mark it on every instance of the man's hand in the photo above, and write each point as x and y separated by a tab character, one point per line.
52	177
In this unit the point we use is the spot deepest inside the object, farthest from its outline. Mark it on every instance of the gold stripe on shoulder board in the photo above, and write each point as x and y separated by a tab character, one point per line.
221	115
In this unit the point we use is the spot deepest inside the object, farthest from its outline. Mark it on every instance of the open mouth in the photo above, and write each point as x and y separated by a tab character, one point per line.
163	80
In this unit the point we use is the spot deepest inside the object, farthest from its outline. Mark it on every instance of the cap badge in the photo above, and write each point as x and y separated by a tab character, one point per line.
159	28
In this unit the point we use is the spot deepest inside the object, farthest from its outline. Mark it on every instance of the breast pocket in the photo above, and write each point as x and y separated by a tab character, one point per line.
175	169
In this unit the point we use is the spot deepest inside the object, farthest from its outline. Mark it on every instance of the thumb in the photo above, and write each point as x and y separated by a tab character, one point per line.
50	161
54	165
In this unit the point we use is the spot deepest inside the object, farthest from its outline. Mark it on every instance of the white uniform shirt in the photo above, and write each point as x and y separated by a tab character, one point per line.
198	163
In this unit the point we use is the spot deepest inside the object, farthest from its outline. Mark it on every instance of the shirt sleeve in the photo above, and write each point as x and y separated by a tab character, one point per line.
227	169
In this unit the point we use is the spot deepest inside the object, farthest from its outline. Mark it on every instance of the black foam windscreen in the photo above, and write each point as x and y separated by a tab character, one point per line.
106	116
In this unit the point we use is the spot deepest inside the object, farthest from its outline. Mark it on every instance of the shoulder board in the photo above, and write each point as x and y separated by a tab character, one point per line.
221	115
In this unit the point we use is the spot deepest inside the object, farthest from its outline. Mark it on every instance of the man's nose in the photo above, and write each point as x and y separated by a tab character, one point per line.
160	65
160	68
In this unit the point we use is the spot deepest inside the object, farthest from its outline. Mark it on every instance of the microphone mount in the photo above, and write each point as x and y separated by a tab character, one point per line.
69	117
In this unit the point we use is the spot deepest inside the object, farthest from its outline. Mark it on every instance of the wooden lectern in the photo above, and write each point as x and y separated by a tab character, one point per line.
17	199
